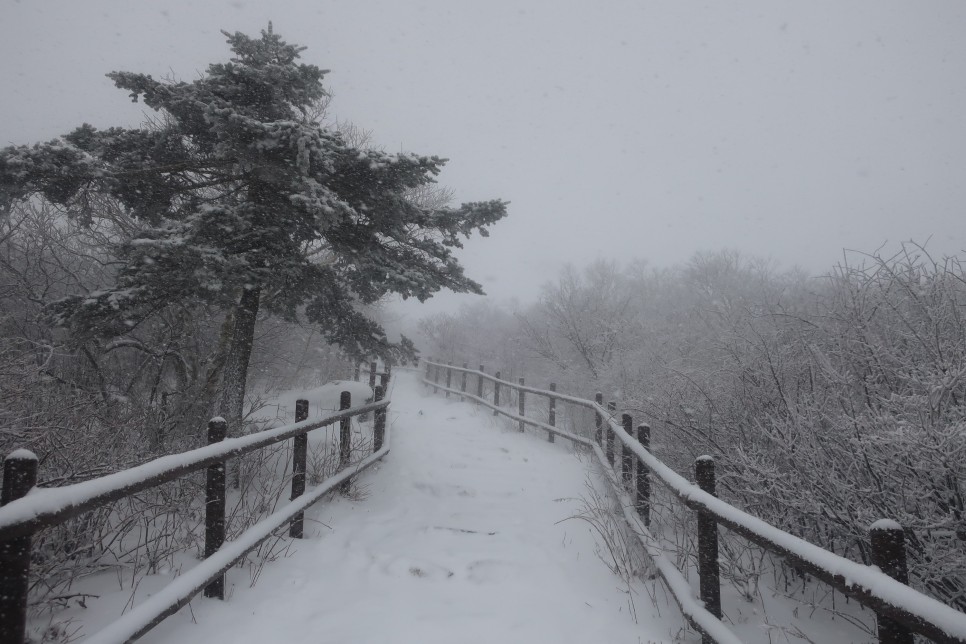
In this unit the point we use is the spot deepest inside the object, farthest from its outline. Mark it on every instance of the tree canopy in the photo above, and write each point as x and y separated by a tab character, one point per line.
239	194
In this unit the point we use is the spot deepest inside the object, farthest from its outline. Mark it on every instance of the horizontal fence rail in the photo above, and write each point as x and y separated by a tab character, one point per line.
28	509
47	507
900	609
179	592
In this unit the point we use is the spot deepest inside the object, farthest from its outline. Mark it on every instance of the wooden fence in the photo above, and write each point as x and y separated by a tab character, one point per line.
23	514
900	610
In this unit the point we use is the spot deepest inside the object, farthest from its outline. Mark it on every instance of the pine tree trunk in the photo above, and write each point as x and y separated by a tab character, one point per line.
235	373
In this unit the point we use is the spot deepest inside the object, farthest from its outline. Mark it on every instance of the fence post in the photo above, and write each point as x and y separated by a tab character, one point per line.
449	379
627	459
708	543
552	420
345	439
299	449
435	378
463	383
479	384
356	374
889	554
644	476
599	436
609	433
384	380
523	407
19	476
496	393
215	506
379	431
372	375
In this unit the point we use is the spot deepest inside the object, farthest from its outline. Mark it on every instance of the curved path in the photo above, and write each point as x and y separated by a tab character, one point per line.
464	534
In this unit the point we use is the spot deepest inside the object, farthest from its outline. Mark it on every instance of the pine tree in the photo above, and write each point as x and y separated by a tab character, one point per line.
246	203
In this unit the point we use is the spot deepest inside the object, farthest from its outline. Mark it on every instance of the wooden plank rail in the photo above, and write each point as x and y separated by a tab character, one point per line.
24	514
700	618
900	609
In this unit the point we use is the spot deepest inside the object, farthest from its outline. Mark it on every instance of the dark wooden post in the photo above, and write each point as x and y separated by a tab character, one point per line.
599	436
215	506
379	431
355	376
372	375
479	383
435	378
552	414
644	476
384	381
523	407
449	379
708	543
609	433
496	393
300	446
19	476
627	456
345	439
889	554
463	382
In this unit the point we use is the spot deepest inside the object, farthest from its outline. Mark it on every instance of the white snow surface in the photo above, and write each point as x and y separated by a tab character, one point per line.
21	455
464	533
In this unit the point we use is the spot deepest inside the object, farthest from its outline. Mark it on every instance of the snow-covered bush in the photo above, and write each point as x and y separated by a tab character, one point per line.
827	402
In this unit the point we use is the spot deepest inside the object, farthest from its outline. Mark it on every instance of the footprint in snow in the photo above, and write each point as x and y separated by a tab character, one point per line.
488	571
405	567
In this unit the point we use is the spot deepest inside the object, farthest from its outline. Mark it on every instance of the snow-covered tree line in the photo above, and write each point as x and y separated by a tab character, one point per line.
828	402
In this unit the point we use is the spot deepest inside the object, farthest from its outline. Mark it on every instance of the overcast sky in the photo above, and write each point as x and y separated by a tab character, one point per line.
617	129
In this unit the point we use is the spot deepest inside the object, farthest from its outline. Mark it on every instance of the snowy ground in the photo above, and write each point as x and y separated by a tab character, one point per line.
463	534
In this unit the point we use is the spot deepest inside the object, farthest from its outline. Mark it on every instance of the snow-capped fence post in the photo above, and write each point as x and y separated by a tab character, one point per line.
599	435
215	506
300	445
496	393
379	430
627	458
345	439
708	543
19	476
609	433
552	413
372	375
449	379
523	406
889	554
644	476
435	378
479	384
463	382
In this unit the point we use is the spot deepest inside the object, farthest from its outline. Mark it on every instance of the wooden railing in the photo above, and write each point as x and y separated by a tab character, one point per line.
900	610
23	514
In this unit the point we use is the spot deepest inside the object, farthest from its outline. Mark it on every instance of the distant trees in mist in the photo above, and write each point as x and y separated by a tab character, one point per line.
828	402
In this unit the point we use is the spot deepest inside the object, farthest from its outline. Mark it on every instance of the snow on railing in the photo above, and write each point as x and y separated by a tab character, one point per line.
900	610
28	509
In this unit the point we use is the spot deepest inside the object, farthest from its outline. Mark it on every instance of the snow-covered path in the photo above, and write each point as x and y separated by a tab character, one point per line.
463	534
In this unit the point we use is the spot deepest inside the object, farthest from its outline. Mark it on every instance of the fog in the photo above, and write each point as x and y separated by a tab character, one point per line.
647	130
